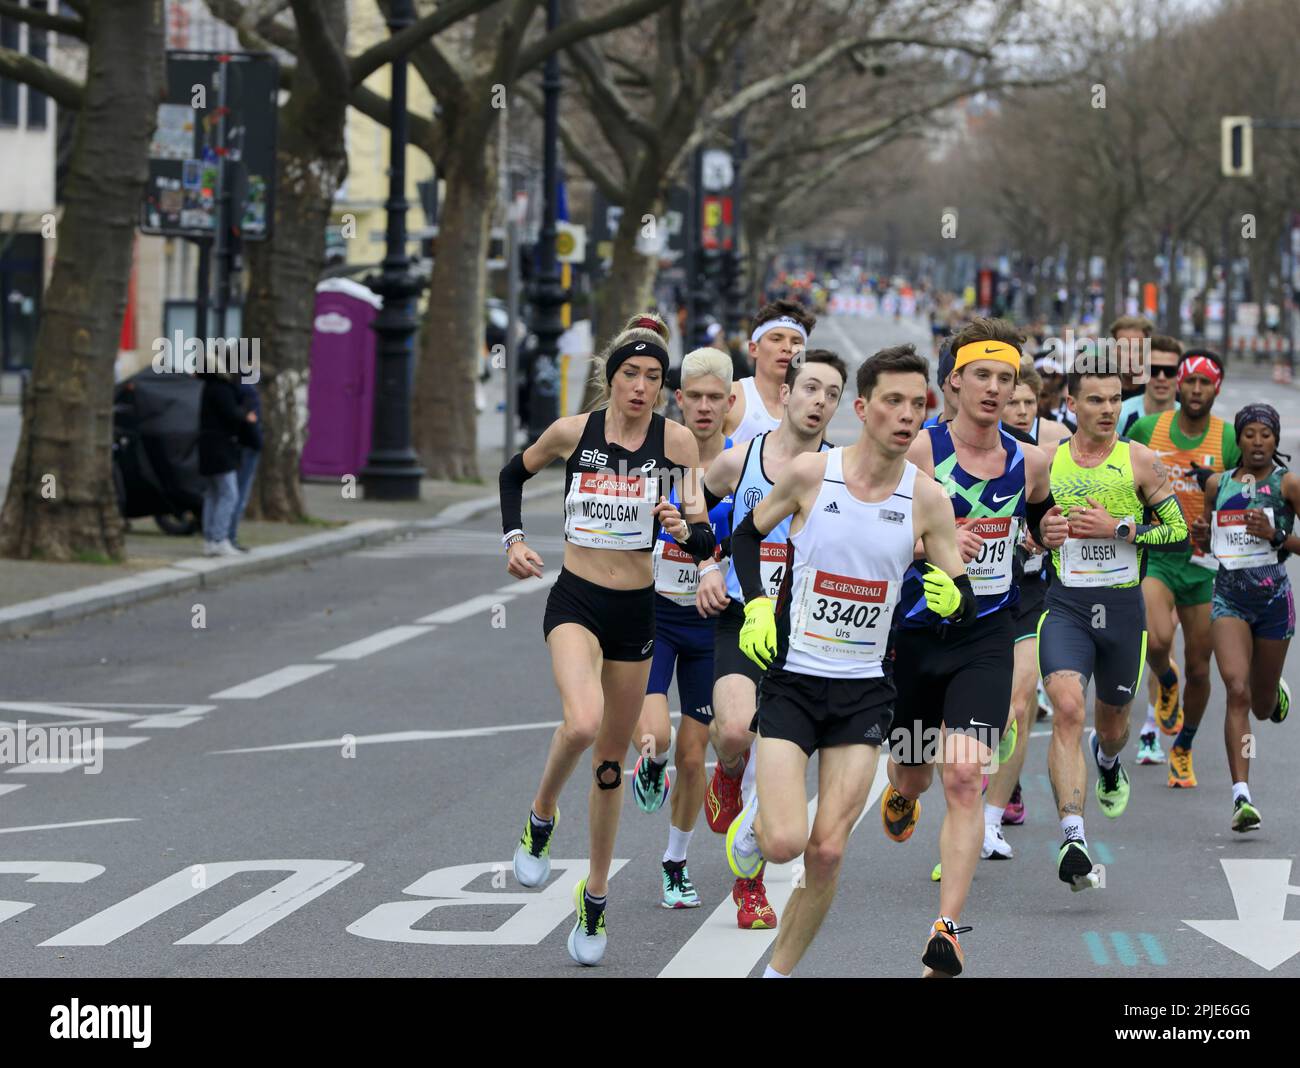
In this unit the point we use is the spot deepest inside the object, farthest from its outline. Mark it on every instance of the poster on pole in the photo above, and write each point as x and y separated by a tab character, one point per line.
195	132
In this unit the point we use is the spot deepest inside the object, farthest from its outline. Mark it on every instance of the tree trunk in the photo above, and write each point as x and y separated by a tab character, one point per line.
630	285
451	343
61	502
311	163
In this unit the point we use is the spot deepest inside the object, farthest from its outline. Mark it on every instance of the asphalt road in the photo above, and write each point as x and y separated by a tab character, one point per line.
329	777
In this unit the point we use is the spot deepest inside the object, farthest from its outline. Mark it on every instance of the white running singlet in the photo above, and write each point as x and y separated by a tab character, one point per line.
847	568
756	420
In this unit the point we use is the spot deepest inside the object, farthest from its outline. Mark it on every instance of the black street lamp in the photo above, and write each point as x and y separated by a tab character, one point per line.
546	295
393	471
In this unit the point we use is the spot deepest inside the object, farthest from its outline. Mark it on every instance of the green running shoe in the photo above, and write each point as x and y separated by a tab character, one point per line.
1008	744
937	874
1149	751
679	892
533	853
1074	866
1112	784
650	784
1245	816
1283	705
744	856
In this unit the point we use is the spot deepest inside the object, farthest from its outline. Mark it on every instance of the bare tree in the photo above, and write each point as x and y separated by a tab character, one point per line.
61	502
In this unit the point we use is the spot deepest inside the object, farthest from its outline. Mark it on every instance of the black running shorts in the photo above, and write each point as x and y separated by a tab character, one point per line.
820	713
1097	632
727	657
1025	612
623	621
954	677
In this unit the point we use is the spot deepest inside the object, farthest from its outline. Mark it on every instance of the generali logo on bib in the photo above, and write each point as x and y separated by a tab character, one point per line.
987	527
615	485
869	590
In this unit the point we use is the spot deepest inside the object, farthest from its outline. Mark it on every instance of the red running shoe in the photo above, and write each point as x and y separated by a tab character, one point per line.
722	803
753	912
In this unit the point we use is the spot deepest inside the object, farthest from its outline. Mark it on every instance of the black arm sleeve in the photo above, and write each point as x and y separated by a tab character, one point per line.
965	615
711	500
513	477
746	544
701	541
1035	512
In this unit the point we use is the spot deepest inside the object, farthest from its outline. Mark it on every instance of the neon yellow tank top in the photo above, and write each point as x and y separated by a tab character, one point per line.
1111	484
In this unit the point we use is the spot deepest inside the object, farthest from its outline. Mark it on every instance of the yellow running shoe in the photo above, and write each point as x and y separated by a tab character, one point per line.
898	815
1181	773
1169	709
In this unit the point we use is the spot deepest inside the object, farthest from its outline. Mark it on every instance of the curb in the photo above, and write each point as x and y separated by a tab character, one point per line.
198	572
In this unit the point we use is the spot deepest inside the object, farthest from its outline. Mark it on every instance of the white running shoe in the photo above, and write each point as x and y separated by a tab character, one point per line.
995	846
587	939
224	548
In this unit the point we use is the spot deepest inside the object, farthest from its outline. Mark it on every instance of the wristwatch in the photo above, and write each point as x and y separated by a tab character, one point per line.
1124	528
1278	539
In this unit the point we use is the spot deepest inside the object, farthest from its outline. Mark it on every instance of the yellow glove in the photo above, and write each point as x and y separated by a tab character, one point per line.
941	594
758	634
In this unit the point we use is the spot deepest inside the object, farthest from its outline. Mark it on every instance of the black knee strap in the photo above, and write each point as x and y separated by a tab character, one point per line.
606	766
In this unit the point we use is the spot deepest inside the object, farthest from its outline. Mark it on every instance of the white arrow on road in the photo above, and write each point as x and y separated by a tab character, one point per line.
1260	933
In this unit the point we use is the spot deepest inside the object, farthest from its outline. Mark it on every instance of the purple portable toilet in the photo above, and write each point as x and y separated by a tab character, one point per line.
341	387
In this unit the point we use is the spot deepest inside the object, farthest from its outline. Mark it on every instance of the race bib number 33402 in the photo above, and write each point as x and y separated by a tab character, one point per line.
842	617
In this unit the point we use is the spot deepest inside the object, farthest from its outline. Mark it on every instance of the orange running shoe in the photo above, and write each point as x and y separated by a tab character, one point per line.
753	912
1181	773
722	801
898	815
1169	709
943	958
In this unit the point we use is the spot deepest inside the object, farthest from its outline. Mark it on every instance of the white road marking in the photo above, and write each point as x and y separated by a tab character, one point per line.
847	341
270	683
113	742
10	789
719	949
384	639
473	606
530	585
73	823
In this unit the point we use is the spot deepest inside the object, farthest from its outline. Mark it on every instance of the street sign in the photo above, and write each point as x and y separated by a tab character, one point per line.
195	132
570	242
1236	148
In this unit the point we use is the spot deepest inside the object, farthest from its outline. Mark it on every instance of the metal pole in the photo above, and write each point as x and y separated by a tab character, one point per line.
548	296
204	288
512	315
221	231
392	471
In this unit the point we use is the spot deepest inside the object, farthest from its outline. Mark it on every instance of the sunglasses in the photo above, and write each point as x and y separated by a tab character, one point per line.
1164	371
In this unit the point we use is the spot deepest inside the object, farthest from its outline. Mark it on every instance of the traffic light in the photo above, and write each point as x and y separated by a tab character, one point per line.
1237	150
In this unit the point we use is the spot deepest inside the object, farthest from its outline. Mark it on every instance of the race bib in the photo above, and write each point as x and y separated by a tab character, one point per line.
676	576
842	617
773	556
1233	547
607	511
990	570
1098	562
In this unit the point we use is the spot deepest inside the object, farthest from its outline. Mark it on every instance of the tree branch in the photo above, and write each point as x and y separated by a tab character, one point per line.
425	133
572	30
317	47
576	150
41	19
59	88
617	118
245	21
419	32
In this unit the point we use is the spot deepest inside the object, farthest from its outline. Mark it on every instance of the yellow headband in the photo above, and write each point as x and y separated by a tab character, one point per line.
988	350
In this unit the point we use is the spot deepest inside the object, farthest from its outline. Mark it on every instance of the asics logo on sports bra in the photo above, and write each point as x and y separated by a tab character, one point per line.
593	456
1000	500
648	466
833	508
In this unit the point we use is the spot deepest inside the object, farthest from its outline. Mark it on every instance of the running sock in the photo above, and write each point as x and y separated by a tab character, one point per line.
1240	789
1149	726
540	823
1168	678
1104	761
1185	736
771	973
594	902
1072	827
678	842
993	815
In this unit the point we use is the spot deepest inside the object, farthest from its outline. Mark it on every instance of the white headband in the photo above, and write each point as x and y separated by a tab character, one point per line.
773	324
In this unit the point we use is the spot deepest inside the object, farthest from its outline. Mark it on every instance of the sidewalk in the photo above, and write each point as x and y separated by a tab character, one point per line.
36	594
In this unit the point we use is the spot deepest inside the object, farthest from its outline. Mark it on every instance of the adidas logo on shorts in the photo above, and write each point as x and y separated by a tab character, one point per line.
833	508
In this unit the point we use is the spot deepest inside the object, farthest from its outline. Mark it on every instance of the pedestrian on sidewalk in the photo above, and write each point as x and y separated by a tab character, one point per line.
223	427
249	453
